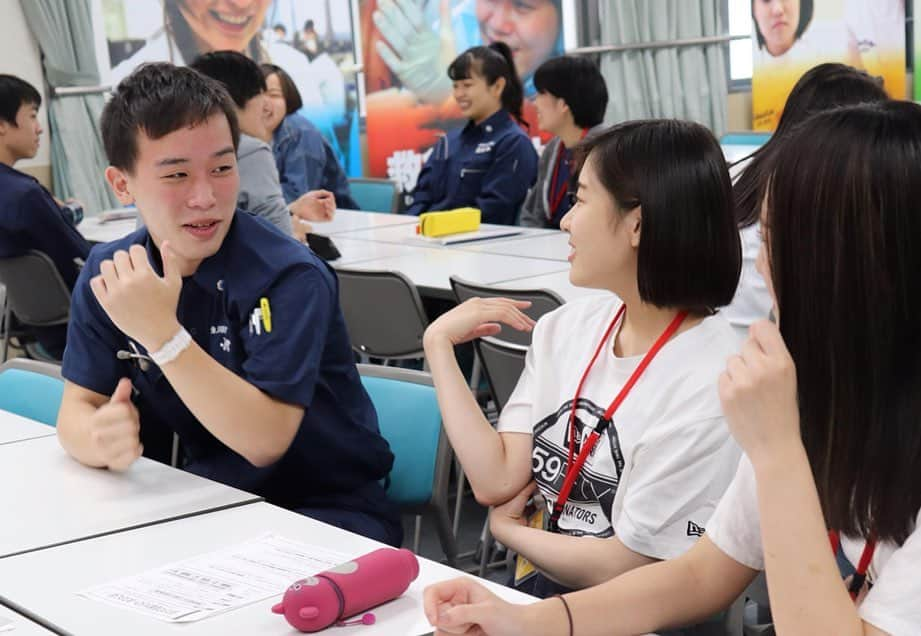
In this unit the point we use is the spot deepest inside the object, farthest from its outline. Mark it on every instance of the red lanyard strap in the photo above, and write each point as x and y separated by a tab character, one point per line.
556	193
574	468
863	566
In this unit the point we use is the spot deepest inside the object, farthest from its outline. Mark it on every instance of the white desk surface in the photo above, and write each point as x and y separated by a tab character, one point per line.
22	626
403	233
355	251
15	428
49	498
45	583
348	221
93	230
734	152
557	281
431	267
550	245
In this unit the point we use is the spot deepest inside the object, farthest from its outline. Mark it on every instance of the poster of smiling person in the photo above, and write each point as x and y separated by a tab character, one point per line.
407	46
792	36
177	31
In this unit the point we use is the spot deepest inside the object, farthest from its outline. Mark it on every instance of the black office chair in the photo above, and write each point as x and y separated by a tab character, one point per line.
35	294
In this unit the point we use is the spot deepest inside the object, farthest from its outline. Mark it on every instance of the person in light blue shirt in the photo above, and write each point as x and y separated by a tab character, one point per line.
490	163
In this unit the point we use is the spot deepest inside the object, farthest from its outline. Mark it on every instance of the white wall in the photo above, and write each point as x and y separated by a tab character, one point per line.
19	55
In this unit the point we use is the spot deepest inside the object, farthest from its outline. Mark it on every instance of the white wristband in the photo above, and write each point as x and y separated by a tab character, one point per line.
173	347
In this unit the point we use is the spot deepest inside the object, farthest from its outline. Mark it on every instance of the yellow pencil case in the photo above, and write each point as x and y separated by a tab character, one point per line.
449	222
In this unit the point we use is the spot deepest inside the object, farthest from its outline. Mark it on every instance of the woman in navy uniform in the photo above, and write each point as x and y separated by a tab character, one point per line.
490	163
229	332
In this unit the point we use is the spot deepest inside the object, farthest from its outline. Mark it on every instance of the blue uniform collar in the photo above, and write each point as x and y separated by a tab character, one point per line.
16	173
499	119
210	272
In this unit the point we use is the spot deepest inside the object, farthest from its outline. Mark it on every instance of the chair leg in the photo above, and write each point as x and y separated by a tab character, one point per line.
446	537
417	535
459	501
6	330
486	541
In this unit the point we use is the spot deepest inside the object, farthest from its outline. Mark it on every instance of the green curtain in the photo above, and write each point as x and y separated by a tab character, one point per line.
64	31
679	82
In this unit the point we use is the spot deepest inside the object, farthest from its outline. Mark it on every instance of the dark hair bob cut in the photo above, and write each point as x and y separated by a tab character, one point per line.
805	17
14	92
157	99
579	83
842	228
293	101
690	254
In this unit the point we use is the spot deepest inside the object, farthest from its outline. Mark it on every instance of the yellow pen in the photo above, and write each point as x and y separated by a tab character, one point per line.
266	314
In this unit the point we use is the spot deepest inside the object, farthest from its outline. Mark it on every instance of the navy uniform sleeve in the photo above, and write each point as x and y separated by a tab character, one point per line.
286	361
92	339
505	185
301	165
422	194
48	232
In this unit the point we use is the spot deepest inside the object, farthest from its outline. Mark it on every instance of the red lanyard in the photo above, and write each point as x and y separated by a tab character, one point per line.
558	192
860	576
573	469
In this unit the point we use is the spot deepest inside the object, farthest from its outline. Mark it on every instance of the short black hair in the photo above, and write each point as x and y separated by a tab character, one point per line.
293	101
690	254
280	27
159	98
14	92
308	25
241	76
805	17
578	82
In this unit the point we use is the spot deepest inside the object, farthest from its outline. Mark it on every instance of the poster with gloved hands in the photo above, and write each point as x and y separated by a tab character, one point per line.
407	46
312	40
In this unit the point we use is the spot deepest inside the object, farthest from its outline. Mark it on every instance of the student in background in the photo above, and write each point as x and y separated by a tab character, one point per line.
571	100
822	88
306	163
260	192
661	236
490	163
30	218
825	405
210	324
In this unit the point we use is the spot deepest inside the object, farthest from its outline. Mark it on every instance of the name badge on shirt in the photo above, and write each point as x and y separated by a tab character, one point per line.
484	147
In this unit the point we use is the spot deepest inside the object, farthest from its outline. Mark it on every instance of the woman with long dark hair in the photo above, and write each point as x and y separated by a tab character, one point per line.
825	405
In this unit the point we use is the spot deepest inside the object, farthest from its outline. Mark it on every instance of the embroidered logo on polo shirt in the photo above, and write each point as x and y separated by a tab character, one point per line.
225	345
484	147
695	530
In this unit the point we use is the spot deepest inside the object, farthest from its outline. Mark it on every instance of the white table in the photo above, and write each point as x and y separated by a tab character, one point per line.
48	498
355	251
552	245
430	268
557	281
404	234
74	567
734	152
15	428
348	221
96	231
22	626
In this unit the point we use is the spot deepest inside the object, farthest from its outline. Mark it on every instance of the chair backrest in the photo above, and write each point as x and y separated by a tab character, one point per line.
375	195
745	138
409	419
32	389
503	363
383	313
542	301
35	292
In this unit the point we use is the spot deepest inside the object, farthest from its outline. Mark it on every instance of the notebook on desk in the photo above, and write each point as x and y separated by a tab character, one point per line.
482	234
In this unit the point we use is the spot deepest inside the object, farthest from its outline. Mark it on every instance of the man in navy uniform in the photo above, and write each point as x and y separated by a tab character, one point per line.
229	332
30	218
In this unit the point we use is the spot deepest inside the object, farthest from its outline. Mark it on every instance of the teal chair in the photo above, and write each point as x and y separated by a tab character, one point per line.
410	421
32	389
375	195
749	138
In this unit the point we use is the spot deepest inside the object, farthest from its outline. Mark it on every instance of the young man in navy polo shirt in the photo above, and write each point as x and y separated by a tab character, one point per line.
30	219
234	332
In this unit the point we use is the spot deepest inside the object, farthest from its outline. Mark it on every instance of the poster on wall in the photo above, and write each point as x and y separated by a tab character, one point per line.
310	39
792	36
407	46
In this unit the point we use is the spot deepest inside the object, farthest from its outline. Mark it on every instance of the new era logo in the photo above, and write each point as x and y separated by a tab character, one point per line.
695	530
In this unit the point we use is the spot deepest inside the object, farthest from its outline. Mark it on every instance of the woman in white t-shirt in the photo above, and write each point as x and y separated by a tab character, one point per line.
826	409
822	87
653	225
